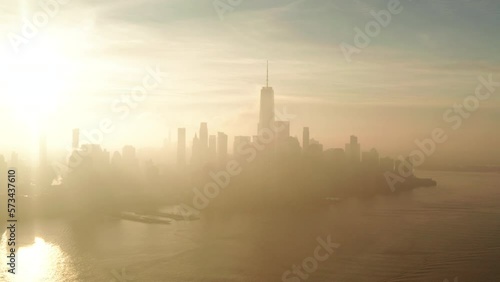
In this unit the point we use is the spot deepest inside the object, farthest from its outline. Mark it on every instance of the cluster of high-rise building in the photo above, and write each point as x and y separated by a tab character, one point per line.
216	148
272	139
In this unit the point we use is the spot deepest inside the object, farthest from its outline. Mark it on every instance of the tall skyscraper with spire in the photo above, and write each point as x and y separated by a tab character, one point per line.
266	117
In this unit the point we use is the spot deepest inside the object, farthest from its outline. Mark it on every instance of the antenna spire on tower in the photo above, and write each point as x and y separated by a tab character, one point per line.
267	75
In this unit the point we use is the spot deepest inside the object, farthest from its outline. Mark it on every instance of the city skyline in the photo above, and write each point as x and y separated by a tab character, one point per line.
217	147
198	148
249	140
404	88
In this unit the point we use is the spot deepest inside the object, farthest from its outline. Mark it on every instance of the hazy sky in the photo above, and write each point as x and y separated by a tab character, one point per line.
396	90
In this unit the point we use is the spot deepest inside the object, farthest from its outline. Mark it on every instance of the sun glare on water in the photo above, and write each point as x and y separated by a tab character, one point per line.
39	261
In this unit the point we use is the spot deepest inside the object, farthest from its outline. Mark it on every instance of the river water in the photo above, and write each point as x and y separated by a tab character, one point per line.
429	234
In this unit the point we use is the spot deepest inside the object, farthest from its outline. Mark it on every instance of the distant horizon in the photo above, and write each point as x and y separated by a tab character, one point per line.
250	140
389	94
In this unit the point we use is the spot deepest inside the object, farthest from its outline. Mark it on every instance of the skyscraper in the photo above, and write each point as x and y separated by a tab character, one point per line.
305	138
116	160
266	117
353	150
89	157
282	130
221	147
196	151
203	143
386	164
239	144
370	159
336	156
203	136
128	155
181	146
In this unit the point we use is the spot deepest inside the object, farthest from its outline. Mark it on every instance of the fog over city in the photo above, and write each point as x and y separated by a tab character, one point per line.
238	140
90	54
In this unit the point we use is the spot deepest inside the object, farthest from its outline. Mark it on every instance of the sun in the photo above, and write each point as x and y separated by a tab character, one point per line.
33	84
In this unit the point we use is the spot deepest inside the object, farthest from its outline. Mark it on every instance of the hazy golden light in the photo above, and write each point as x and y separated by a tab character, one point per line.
34	84
39	261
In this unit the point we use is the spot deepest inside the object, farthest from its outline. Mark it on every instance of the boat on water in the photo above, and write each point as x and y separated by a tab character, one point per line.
175	216
132	216
415	182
